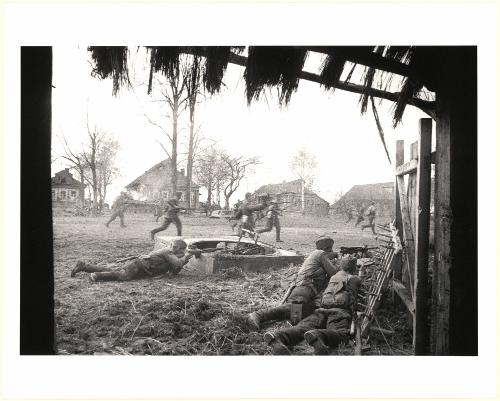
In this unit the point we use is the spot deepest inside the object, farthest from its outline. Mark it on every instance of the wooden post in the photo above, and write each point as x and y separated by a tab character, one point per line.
422	206
442	237
400	158
412	190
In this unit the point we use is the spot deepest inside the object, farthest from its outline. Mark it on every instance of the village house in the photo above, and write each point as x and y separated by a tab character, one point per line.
290	192
65	189
381	193
155	185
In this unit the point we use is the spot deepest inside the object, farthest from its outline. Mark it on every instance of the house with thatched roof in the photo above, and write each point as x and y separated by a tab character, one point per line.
65	189
155	185
381	193
290	192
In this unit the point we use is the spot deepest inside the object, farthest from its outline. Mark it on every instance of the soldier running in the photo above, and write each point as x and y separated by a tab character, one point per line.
171	215
361	215
272	220
371	212
119	206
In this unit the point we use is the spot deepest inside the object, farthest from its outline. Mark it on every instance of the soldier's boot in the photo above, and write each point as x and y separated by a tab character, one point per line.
278	239
80	267
315	339
279	313
277	346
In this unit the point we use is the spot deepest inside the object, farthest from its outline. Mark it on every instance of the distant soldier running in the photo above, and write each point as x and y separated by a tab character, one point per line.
119	206
171	215
247	220
272	220
361	215
371	213
349	212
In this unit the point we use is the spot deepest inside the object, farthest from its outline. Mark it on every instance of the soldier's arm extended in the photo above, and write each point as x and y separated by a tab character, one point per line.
326	263
174	261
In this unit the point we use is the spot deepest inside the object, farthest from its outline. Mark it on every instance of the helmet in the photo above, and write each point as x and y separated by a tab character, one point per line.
323	241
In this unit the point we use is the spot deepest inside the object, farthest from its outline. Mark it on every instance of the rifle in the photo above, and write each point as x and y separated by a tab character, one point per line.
353	250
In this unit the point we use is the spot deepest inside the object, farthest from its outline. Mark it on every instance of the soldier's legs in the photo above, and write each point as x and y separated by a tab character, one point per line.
267	228
359	220
130	271
261	316
337	331
277	225
113	216
178	225
281	340
122	219
88	268
164	226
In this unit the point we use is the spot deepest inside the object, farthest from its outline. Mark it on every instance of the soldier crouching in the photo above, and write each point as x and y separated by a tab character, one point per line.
329	325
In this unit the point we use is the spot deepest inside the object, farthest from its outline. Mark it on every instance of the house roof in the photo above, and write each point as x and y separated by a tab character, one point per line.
379	191
285	187
65	179
164	164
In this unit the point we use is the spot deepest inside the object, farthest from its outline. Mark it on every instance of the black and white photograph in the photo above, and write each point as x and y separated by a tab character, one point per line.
193	208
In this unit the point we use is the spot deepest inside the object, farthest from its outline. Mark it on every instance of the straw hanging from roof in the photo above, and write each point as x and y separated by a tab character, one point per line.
110	61
273	66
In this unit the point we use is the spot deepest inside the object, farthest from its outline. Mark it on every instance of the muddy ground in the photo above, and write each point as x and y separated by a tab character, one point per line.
187	314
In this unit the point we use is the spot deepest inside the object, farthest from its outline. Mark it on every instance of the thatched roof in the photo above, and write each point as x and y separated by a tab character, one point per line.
284	188
164	165
419	69
380	191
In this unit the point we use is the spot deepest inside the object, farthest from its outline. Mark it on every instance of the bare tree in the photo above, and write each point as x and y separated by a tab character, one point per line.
207	171
77	163
304	164
106	170
234	169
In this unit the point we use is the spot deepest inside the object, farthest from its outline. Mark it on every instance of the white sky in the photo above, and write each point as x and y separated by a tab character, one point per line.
329	125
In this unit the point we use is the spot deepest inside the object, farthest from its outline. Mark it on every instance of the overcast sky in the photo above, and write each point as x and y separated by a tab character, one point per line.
329	125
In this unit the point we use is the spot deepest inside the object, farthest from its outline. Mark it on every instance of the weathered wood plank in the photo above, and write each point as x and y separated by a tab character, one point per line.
407	231
400	157
442	239
404	294
423	189
407	168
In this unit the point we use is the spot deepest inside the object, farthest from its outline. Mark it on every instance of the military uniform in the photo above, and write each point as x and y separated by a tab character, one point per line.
310	281
171	216
119	207
327	326
370	214
361	215
272	220
156	263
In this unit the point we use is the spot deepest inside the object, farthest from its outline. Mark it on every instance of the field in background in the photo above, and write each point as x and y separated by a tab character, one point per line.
186	314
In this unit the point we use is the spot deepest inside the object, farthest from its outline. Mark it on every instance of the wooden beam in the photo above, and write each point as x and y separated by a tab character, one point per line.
424	105
407	231
400	157
404	294
420	325
365	58
407	168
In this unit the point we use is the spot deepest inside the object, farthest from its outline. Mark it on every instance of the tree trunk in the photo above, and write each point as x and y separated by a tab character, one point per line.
175	116
82	187
189	167
302	196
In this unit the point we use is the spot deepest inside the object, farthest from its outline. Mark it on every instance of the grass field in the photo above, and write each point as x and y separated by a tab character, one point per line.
186	314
